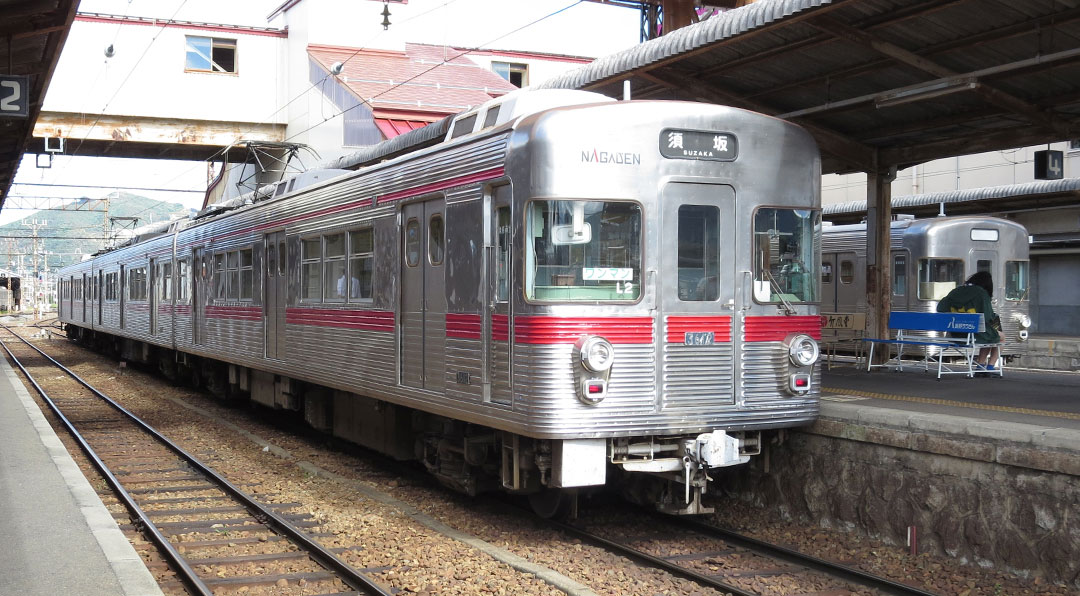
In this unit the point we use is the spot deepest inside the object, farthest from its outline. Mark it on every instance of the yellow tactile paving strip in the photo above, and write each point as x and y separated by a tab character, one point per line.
957	404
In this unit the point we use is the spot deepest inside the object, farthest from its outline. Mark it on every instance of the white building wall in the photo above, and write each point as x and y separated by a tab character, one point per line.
146	77
996	168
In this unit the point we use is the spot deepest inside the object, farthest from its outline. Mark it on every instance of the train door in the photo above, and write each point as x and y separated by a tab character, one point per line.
986	260
85	295
828	282
900	281
849	297
423	296
199	280
497	272
154	278
274	294
696	301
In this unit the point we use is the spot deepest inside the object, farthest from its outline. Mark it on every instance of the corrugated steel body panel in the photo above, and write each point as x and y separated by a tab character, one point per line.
724	26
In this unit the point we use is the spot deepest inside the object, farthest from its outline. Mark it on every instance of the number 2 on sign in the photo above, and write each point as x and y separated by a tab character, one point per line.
624	287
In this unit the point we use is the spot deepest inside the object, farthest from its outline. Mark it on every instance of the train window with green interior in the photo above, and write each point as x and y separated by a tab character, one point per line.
583	251
787	255
1016	280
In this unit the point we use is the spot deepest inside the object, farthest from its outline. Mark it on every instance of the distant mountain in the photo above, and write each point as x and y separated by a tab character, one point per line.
68	235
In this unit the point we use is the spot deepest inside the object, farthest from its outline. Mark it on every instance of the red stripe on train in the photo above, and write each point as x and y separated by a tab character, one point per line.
559	330
242	313
678	327
464	326
369	320
777	328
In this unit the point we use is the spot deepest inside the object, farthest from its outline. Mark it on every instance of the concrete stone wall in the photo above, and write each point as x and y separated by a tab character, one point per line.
1051	354
1007	500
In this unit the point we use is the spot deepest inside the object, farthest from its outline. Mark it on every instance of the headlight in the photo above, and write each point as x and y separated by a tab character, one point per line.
597	354
803	350
1023	320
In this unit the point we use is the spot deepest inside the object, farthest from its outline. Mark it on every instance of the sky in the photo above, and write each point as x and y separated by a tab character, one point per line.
577	28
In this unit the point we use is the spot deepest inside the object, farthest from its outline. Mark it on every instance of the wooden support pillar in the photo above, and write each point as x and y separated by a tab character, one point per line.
878	283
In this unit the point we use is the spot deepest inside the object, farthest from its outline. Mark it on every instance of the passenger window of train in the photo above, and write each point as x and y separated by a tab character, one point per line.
412	243
786	259
361	263
699	253
847	272
310	268
247	274
232	267
137	284
937	277
583	251
182	281
166	281
899	275
334	282
1016	280
282	258
436	240
219	276
826	273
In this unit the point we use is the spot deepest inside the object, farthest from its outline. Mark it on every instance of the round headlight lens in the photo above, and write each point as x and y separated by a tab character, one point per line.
1025	321
803	350
597	354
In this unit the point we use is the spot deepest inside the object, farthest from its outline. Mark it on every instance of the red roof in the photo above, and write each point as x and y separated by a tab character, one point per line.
424	79
392	128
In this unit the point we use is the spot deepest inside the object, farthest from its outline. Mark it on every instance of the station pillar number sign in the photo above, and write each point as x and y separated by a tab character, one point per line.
14	96
1049	165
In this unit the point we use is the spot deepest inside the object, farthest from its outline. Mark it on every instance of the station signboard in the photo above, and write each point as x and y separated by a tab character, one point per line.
14	96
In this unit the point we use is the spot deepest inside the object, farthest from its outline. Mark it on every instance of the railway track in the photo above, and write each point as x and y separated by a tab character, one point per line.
725	560
208	531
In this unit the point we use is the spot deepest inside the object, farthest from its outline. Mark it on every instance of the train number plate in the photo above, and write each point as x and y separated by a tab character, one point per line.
699	338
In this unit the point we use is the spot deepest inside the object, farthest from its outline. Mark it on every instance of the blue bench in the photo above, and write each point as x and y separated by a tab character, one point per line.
934	349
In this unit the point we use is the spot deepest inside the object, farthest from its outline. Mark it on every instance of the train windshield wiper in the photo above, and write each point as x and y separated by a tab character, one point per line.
788	308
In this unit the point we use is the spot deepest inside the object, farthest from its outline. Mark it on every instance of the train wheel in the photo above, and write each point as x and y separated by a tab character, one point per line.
554	503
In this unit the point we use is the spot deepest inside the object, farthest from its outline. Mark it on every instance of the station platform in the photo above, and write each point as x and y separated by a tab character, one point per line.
56	536
1028	418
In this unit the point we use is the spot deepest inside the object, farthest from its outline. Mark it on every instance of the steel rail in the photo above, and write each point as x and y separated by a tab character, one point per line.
650	560
186	573
851	574
350	575
835	570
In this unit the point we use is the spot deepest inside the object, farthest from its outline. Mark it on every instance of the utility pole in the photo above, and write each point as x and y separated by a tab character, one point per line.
34	226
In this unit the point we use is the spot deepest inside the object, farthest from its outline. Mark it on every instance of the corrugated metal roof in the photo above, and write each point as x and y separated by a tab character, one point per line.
1011	198
879	83
722	26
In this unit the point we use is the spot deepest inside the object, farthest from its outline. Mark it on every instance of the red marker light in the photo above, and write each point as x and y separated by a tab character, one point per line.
801	381
596	388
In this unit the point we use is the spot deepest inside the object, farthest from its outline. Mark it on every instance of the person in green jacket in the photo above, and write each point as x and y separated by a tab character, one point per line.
972	297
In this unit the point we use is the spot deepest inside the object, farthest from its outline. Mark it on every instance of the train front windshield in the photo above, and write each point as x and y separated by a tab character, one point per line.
583	251
786	261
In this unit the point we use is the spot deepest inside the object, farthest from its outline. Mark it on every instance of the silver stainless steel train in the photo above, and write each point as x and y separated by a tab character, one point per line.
930	257
565	291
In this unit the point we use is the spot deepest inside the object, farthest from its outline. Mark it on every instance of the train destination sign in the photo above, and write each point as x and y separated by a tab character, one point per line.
696	144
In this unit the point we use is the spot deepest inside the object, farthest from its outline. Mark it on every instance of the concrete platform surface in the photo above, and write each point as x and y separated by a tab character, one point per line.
56	536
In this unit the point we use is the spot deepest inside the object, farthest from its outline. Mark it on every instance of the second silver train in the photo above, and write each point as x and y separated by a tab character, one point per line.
928	258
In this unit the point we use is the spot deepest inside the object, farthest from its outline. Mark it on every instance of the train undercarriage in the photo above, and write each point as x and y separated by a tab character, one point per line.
668	472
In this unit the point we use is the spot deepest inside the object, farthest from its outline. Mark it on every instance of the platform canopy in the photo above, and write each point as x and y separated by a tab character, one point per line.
32	32
879	83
